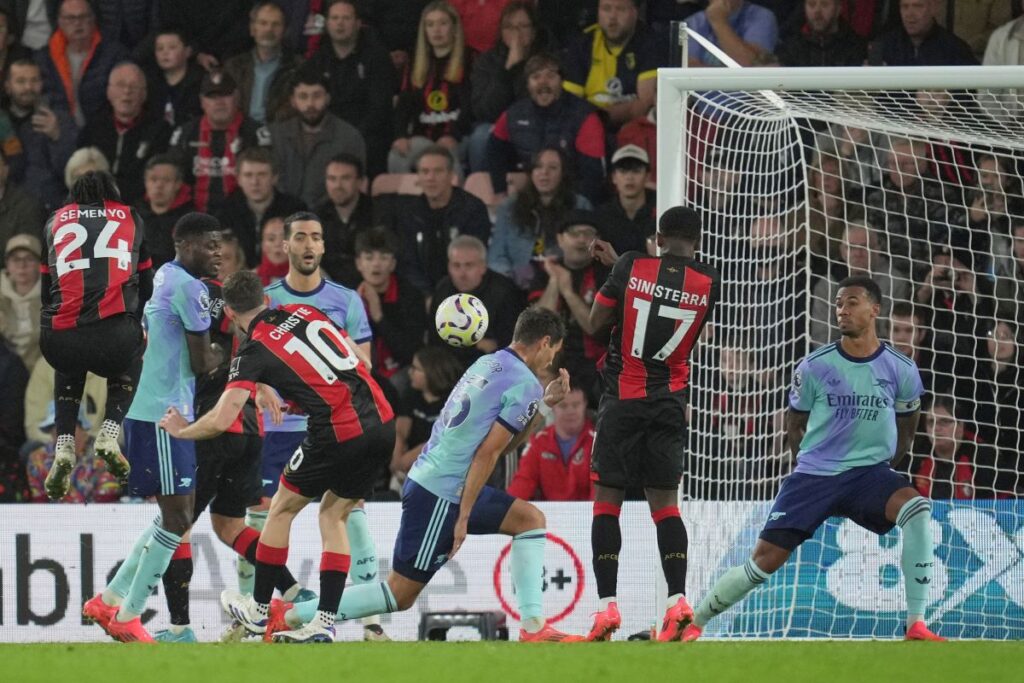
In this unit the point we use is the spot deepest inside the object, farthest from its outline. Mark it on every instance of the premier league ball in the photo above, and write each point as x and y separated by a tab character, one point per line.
461	320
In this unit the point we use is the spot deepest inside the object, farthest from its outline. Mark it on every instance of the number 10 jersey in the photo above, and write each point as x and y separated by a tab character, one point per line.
94	255
297	350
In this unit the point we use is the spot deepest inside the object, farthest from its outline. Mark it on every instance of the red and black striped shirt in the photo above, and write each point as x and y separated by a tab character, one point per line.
298	351
94	255
662	304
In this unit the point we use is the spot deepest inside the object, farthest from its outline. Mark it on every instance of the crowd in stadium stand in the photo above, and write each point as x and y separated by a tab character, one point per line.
480	146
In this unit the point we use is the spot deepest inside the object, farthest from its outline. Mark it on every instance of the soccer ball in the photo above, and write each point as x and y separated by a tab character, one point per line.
461	320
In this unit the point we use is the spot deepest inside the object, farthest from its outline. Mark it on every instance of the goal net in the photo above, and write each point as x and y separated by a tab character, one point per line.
805	176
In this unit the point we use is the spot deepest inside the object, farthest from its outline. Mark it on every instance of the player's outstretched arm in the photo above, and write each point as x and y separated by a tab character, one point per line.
213	423
494	444
906	428
203	356
796	427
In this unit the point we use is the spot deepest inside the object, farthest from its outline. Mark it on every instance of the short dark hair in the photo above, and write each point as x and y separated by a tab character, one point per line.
350	160
166	159
437	151
243	291
298	217
946	402
263	4
308	74
535	323
94	187
542	60
255	155
378	238
24	61
172	31
354	4
194	225
441	368
870	286
681	223
905	309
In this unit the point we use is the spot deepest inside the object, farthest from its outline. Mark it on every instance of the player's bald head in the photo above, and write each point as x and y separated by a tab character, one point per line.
243	291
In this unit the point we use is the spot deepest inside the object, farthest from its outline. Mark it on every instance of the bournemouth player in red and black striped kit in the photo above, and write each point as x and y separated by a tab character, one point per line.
96	275
658	307
298	351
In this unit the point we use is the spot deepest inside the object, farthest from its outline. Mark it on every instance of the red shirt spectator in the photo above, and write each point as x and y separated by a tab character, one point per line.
556	463
480	19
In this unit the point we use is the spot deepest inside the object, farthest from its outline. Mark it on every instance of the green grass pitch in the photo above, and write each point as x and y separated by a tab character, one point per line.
640	662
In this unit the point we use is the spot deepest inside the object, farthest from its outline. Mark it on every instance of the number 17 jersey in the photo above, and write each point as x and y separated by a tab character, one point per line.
661	305
94	255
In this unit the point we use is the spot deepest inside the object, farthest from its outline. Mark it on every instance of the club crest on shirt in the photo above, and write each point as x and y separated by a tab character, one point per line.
204	301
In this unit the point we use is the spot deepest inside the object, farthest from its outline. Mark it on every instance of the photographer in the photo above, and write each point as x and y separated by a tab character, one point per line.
958	298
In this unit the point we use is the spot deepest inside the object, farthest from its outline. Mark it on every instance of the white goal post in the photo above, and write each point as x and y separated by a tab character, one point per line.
804	175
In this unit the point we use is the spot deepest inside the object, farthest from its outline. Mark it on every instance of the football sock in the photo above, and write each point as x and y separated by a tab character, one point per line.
359	601
364	554
152	565
728	590
110	429
67	397
527	568
120	390
916	558
247	544
269	563
606	602
672	546
333	571
176	581
244	567
118	587
606	541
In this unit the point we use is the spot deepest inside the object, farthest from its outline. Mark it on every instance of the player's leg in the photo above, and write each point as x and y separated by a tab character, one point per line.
611	467
803	504
120	361
67	395
176	581
364	564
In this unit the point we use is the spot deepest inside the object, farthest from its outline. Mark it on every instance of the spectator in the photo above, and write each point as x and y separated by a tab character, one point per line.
210	144
48	135
919	41
628	219
974	20
20	212
425	224
37	20
613	65
215	29
90	480
481	20
958	465
433	104
432	376
262	73
830	179
125	132
527	223
910	334
548	118
741	29
860	255
167	199
498	78
83	160
20	302
1005	47
642	132
78	61
305	144
345	214
39	395
361	79
255	200
1010	279
398	24
13	378
567	285
824	39
556	464
232	258
128	22
958	297
992	201
10	49
468	273
273	262
395	309
173	84
989	384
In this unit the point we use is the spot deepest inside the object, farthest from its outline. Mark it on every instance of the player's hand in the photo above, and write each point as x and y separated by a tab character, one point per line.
461	529
557	389
603	252
173	423
267	402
